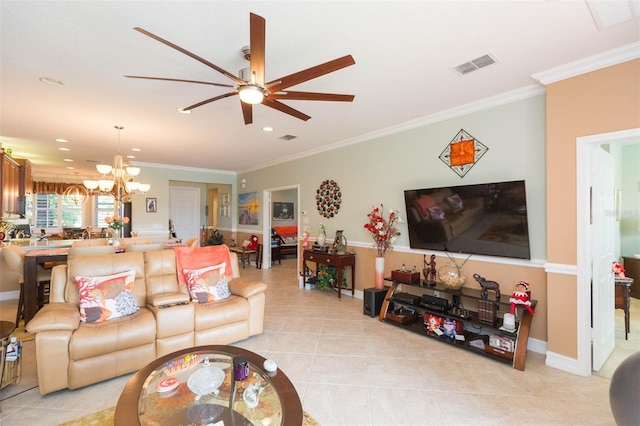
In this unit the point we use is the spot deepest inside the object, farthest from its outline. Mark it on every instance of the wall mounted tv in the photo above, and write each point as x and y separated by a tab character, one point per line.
488	219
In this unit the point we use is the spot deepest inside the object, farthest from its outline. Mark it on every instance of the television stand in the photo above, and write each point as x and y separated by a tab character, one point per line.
436	314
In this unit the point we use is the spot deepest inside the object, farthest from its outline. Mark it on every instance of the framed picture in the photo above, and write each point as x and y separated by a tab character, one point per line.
282	211
152	205
248	208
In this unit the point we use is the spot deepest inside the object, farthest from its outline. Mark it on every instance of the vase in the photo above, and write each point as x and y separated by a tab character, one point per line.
452	276
340	243
379	272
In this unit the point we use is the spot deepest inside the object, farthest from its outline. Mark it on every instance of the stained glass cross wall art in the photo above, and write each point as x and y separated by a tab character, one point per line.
463	152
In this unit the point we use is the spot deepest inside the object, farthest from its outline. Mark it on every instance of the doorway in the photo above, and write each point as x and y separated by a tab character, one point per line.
184	211
585	242
289	193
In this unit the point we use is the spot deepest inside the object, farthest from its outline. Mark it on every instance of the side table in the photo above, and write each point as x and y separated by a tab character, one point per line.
244	254
337	260
6	328
622	301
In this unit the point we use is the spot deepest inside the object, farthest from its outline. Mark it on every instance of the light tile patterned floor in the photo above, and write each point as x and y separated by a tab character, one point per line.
350	369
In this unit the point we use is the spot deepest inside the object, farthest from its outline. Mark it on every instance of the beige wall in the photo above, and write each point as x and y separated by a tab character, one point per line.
602	101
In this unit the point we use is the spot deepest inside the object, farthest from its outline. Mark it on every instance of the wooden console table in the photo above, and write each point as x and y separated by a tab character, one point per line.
337	260
623	286
244	254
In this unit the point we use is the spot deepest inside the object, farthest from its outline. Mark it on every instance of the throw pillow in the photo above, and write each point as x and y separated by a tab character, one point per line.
207	284
436	212
108	297
455	201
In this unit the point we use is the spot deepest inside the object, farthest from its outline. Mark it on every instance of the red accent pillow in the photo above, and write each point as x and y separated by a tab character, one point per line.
424	203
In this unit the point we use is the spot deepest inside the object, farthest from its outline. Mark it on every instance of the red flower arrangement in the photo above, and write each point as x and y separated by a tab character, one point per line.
384	231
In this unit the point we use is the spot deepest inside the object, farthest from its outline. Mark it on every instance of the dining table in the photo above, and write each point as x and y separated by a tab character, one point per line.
54	251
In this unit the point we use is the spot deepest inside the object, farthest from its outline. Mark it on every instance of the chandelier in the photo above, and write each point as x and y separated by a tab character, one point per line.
75	195
121	184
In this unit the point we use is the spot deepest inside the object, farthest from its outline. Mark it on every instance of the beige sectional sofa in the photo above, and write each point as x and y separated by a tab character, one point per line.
71	353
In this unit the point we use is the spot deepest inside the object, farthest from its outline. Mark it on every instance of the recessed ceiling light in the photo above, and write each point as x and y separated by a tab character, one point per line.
267	129
64	149
131	156
68	160
71	168
184	111
136	149
62	140
51	81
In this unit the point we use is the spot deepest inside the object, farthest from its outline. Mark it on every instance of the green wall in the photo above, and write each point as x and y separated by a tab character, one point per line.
379	170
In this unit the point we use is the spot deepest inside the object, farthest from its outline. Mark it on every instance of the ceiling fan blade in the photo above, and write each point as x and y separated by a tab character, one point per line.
311	96
285	108
310	73
247	112
179	80
192	55
257	47
216	98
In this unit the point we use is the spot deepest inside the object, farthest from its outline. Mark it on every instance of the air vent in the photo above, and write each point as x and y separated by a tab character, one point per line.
475	64
287	137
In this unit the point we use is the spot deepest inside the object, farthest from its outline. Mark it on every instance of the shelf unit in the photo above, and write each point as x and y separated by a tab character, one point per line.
474	330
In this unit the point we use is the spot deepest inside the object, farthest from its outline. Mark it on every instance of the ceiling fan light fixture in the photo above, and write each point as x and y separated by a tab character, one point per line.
184	111
251	94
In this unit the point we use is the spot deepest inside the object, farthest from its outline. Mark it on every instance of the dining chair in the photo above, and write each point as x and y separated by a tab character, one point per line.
74	251
90	242
143	247
14	256
135	240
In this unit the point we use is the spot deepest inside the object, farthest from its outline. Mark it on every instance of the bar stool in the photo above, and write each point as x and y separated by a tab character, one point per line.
15	261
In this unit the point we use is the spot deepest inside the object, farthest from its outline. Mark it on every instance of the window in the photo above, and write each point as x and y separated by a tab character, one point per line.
50	211
46	210
103	207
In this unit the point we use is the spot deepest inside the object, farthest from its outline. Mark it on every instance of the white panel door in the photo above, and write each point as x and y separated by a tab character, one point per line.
184	210
602	238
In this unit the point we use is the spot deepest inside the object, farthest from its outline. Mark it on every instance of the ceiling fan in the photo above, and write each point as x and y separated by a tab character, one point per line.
255	90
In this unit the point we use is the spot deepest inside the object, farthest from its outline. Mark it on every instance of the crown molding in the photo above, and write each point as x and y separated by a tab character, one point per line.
472	107
611	57
184	168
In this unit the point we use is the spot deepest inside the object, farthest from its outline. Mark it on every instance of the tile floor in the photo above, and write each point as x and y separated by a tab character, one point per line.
350	369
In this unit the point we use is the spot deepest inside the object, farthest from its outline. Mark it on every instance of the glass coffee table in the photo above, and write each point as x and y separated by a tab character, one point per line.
197	386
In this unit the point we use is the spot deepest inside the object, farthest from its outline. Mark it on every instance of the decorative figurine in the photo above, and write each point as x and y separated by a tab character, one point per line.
449	328
521	297
429	270
486	286
305	241
433	323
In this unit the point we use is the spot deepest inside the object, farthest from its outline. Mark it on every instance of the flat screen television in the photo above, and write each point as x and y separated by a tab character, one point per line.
488	219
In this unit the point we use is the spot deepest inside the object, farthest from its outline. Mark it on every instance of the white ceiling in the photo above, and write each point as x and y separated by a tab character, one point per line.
404	53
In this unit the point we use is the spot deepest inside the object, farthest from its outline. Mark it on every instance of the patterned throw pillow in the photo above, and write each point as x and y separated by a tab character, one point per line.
207	284
108	297
455	201
436	212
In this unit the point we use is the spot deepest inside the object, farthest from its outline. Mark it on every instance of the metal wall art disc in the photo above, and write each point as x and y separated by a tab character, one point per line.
463	152
328	198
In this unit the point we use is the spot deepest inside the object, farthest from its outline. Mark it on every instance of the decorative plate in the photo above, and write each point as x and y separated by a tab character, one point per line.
328	198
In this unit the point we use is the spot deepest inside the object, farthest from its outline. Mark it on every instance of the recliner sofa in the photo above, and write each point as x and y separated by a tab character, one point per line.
72	354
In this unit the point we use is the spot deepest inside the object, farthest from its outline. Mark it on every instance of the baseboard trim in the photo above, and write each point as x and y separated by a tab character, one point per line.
536	345
10	295
564	363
